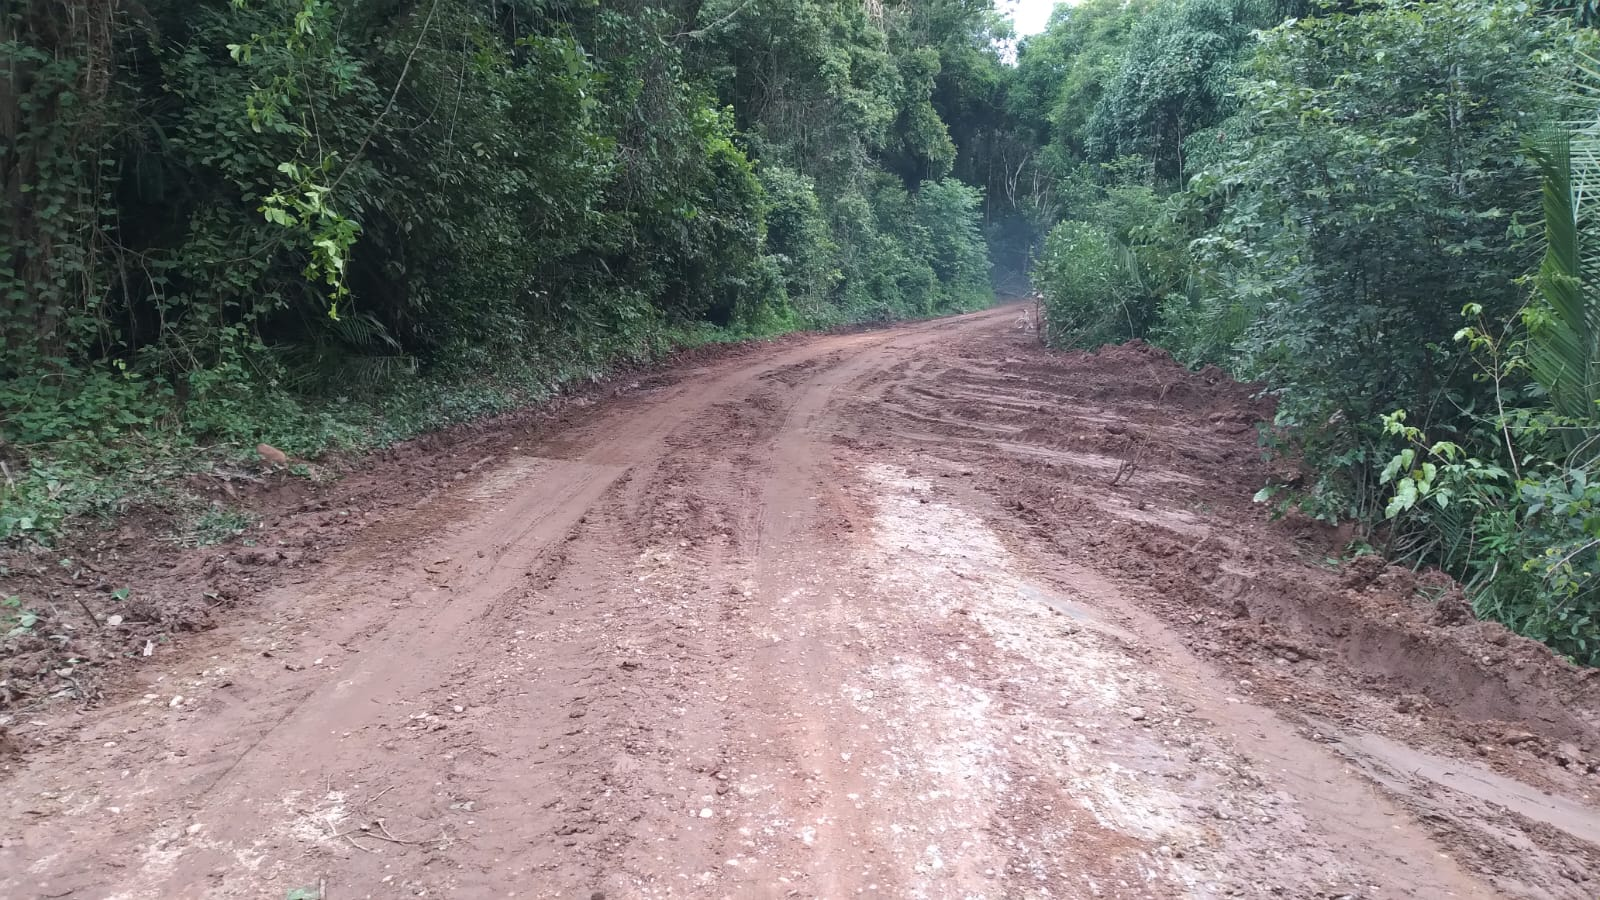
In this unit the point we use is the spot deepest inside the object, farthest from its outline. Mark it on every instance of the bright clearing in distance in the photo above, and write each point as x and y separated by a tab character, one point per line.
1030	16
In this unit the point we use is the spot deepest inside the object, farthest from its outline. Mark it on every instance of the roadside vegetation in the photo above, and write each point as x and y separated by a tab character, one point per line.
1377	211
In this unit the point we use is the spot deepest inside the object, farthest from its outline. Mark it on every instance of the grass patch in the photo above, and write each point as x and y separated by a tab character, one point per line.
216	525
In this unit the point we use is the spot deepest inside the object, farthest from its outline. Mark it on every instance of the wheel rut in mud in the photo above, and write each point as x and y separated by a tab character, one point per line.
927	611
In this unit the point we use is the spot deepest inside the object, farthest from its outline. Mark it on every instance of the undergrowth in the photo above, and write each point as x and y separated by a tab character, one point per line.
100	446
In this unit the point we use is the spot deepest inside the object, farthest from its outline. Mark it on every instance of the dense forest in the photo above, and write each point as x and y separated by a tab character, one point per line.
335	225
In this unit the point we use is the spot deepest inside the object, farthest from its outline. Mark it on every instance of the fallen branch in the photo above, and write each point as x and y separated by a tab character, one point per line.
383	834
1129	465
87	611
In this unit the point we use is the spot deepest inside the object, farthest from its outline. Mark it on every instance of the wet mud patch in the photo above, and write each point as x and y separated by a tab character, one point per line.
1081	742
1144	472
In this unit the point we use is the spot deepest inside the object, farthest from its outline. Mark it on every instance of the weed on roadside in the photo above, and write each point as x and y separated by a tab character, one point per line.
16	619
215	525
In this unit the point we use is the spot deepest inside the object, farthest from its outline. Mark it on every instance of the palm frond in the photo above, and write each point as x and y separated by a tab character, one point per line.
1583	125
1563	352
346	351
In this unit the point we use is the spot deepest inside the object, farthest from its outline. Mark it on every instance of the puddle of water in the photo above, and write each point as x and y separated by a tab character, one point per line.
1393	764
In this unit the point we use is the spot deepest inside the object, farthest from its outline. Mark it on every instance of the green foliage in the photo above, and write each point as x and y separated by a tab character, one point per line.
1563	348
1375	189
1555	597
947	212
905	254
1112	93
215	525
1104	277
15	618
1436	473
1063	73
798	240
1526	545
1175	80
1086	289
1378	180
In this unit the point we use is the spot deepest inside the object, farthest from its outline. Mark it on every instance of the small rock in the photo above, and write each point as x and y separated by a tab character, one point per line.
706	813
176	702
1136	713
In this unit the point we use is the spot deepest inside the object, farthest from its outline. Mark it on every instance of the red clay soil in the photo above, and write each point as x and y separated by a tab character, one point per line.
296	523
927	611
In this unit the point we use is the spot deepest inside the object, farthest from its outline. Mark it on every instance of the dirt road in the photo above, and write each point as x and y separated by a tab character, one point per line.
922	612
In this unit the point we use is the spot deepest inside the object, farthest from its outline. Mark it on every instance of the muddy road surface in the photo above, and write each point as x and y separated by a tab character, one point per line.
921	612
